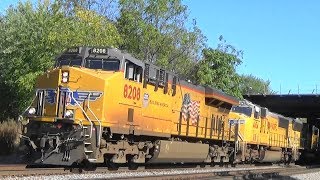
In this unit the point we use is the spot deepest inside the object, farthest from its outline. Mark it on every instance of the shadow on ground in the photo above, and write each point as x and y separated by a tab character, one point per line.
264	176
249	175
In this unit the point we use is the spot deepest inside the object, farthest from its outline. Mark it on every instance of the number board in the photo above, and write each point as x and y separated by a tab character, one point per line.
131	92
103	51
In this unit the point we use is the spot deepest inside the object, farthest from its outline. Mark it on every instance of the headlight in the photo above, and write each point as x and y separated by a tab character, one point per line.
65	76
32	111
69	114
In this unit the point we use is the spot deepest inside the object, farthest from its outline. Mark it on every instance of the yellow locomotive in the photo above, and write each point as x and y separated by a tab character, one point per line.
266	136
101	105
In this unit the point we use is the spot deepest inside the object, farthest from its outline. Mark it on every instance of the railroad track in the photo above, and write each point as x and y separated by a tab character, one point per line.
240	172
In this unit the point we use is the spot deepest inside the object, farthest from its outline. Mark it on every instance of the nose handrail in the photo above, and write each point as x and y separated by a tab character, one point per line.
34	97
85	114
100	126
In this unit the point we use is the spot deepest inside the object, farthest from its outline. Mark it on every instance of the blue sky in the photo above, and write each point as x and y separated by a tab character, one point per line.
279	38
4	4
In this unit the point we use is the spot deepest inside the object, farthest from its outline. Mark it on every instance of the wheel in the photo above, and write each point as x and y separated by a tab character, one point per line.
289	160
233	165
133	166
233	162
226	164
87	166
202	165
76	170
112	166
222	164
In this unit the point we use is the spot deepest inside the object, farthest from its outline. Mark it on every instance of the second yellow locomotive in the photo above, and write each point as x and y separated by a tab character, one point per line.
266	136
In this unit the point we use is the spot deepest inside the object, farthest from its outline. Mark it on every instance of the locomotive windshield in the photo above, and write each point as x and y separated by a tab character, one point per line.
109	64
242	109
68	62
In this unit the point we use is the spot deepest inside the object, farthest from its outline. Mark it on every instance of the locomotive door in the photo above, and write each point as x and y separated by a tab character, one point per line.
132	96
264	131
256	124
315	138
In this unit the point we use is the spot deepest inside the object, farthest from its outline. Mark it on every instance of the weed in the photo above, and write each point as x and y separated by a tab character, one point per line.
9	136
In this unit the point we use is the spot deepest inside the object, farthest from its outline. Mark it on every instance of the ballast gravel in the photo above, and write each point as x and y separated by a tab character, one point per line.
137	174
309	176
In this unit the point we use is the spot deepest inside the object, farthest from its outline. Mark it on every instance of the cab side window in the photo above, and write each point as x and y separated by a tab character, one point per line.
256	112
133	72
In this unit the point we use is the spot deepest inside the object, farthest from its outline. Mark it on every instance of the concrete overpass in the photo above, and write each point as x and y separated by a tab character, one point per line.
303	105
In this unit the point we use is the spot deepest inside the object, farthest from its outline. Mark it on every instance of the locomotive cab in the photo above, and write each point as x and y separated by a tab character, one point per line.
249	116
79	84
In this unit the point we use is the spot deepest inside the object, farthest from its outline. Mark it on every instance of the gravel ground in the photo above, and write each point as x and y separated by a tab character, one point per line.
309	176
137	174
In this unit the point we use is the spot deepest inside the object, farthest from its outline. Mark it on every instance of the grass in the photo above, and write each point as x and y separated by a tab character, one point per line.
9	136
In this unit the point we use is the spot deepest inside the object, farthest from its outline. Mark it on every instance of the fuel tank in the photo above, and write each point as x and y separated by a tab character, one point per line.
179	152
270	156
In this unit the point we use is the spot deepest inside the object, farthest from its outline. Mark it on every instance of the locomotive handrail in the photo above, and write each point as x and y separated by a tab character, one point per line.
237	142
100	125
278	139
239	134
34	97
91	124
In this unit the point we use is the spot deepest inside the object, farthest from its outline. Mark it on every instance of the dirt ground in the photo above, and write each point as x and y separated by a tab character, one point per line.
17	157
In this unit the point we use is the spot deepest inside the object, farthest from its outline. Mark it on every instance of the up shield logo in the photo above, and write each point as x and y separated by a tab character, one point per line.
73	97
50	96
233	122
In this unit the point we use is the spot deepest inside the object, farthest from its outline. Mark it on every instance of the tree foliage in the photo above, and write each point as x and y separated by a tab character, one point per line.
31	37
254	85
155	31
218	68
105	8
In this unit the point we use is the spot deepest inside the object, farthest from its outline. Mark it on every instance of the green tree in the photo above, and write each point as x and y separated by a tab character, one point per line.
254	85
106	8
218	68
31	37
155	31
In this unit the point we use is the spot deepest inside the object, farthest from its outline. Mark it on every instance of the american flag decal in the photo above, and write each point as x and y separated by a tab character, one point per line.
190	109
